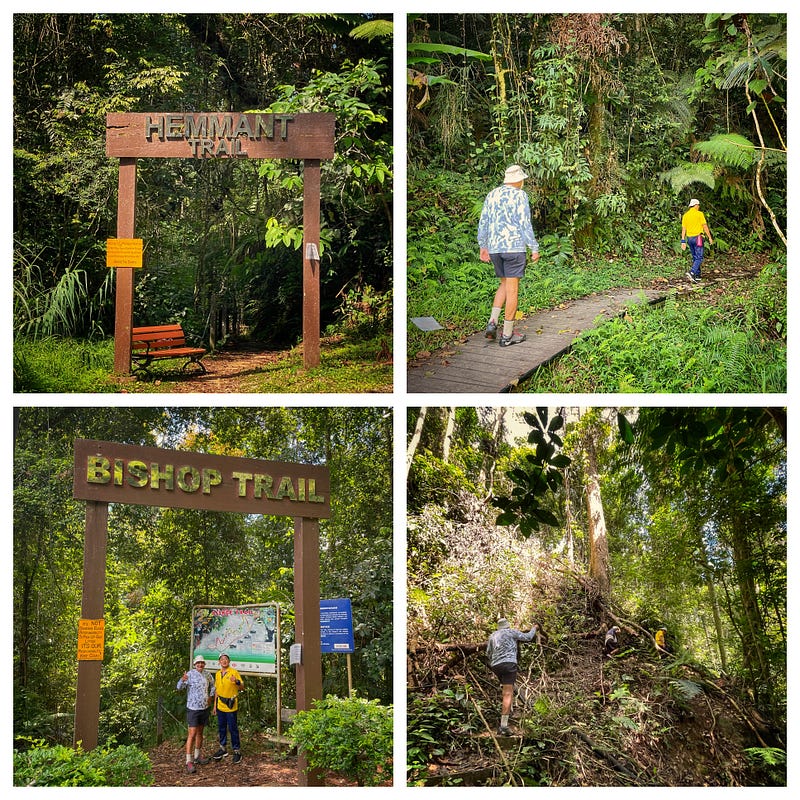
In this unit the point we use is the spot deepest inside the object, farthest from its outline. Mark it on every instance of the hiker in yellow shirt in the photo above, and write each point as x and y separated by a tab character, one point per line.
693	226
661	642
227	684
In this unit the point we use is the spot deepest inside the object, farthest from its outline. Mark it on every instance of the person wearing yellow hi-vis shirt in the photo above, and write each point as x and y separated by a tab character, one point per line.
693	226
227	684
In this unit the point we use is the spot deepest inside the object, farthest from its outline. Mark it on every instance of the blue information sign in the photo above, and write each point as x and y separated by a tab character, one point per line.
336	626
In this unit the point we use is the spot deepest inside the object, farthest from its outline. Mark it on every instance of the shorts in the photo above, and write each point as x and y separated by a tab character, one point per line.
197	718
507	672
508	265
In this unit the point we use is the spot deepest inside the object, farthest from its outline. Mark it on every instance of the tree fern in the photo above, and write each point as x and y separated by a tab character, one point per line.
685	174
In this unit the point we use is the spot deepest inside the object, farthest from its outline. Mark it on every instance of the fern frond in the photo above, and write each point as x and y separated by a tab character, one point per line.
685	174
685	689
374	29
729	149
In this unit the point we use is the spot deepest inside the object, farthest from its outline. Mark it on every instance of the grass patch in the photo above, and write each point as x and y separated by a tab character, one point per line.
706	343
69	365
53	364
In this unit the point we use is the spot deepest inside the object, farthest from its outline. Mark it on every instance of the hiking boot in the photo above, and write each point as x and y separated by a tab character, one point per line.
501	731
491	329
220	754
693	278
515	338
202	761
190	768
237	756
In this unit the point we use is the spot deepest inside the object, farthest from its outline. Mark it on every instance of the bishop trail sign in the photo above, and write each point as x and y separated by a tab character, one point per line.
113	472
308	136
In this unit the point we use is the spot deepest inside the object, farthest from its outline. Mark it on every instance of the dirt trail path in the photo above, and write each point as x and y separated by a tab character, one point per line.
269	767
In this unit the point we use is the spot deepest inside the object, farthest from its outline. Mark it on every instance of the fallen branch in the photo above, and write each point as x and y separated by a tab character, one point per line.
613	760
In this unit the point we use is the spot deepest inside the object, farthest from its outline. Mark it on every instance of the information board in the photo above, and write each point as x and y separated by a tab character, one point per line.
248	634
336	626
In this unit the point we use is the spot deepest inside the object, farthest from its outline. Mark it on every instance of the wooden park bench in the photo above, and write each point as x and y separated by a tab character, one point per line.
155	342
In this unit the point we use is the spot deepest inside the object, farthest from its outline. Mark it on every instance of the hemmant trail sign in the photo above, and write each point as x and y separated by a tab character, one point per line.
307	136
111	472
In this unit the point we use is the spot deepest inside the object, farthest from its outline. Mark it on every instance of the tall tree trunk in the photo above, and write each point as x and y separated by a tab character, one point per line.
754	652
598	538
417	435
489	463
447	441
712	596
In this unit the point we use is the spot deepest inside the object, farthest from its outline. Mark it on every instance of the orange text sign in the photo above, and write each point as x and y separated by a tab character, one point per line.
91	639
124	253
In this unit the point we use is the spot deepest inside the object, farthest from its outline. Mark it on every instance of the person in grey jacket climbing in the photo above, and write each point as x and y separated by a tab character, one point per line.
501	651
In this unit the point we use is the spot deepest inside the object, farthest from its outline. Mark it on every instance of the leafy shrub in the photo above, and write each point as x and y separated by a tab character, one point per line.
436	723
767	306
108	765
352	736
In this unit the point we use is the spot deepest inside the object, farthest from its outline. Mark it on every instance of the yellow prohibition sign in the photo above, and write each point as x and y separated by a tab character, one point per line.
124	253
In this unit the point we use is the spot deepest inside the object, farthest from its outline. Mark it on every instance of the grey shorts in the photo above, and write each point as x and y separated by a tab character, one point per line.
508	265
197	719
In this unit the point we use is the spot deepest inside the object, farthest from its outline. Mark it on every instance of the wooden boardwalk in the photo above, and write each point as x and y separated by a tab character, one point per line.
481	365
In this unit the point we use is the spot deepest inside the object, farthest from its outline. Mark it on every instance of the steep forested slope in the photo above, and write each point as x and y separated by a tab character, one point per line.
580	718
677	520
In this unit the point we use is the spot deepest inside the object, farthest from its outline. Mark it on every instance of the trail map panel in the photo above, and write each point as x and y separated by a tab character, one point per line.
246	633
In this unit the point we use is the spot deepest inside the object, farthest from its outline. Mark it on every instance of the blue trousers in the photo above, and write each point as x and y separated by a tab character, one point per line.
697	251
227	721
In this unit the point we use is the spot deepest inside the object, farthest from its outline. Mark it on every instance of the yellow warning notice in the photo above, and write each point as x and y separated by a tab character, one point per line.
91	639
124	253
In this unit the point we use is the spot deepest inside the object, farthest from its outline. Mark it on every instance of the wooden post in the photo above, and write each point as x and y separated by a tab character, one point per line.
311	262
307	628
126	224
87	700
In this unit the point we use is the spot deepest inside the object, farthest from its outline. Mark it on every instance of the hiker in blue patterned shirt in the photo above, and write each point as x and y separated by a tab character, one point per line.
501	650
505	234
200	691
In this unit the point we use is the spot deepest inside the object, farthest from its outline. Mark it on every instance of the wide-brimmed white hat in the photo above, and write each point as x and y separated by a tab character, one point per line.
514	174
694	202
198	659
503	623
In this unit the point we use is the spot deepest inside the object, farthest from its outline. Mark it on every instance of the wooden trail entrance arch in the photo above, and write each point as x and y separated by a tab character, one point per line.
110	472
225	135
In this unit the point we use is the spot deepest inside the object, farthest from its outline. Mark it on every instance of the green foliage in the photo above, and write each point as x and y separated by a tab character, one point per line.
54	364
681	346
351	736
730	149
540	474
109	765
436	723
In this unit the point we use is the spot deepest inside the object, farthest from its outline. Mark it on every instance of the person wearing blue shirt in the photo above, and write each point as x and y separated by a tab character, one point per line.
505	234
199	692
501	650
